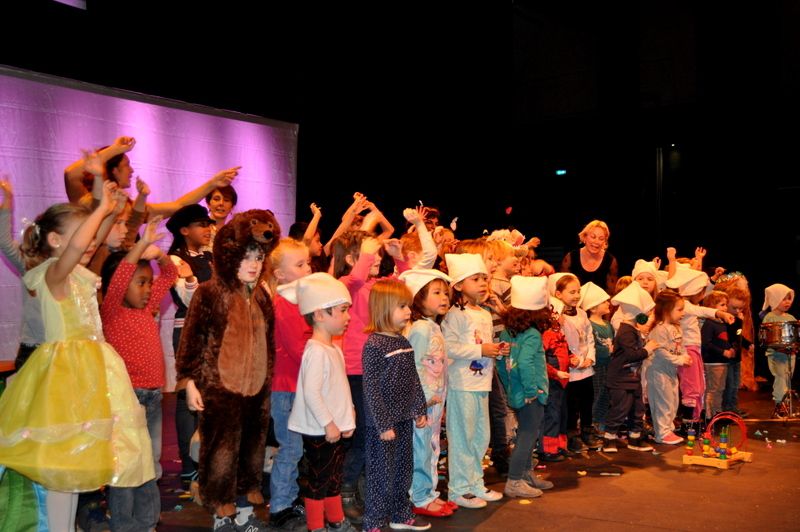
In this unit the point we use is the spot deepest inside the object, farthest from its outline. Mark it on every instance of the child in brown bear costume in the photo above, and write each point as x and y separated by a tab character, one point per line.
226	352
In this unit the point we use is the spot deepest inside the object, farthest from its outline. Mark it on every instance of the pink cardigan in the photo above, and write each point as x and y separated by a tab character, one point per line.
359	284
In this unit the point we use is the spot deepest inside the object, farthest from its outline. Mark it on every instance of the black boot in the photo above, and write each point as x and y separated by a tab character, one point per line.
576	445
353	510
590	440
686	415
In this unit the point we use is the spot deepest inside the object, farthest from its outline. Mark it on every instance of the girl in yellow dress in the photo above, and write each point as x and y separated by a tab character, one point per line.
70	419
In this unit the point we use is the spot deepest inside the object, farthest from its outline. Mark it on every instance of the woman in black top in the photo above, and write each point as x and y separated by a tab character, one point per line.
592	262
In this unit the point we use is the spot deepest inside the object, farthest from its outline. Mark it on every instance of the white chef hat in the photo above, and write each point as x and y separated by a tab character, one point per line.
688	282
774	294
632	301
529	293
463	265
417	278
314	292
644	266
552	280
592	295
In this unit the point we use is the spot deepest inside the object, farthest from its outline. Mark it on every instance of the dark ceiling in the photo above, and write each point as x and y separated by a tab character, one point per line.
407	102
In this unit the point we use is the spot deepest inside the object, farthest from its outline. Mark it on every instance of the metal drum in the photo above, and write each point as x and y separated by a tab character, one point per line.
781	336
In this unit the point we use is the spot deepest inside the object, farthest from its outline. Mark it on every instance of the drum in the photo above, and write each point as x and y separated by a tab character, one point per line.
781	336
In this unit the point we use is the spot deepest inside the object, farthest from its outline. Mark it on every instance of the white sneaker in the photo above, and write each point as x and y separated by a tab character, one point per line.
469	502
490	495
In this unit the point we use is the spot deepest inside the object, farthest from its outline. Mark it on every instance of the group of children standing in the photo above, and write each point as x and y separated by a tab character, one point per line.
370	357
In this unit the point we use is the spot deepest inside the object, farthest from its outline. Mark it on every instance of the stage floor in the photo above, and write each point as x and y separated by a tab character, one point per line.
653	491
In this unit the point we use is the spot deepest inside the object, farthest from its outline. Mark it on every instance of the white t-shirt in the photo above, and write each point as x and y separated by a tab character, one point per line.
323	393
464	330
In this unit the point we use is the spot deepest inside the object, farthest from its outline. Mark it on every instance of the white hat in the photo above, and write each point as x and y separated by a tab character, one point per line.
553	278
592	295
688	282
774	294
557	304
632	301
644	266
416	278
463	265
314	292
529	293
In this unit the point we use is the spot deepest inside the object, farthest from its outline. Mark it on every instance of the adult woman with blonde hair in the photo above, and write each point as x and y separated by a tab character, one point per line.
592	262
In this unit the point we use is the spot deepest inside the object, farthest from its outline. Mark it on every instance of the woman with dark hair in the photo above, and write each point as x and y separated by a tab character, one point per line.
592	262
220	202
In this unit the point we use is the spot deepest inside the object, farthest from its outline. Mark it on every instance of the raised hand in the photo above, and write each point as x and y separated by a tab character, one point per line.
394	248
108	201
672	253
370	245
152	252
151	233
358	205
184	270
413	216
700	253
225	177
316	212
92	163
125	144
8	192
142	187
121	199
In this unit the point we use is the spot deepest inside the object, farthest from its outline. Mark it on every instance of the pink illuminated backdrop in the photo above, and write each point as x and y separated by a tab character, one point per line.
45	122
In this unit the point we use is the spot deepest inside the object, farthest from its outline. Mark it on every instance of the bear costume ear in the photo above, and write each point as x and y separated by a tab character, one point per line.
261	231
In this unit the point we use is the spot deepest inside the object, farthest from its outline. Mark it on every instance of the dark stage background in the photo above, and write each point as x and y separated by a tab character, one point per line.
409	102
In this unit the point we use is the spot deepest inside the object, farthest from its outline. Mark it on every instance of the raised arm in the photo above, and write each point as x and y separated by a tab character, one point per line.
8	246
376	217
222	179
672	264
429	249
74	173
108	222
82	238
358	205
311	230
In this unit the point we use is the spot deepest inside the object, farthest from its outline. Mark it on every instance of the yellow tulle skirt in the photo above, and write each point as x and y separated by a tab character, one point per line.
70	420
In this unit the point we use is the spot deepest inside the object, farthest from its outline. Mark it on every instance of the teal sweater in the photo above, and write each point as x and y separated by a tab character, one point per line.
524	372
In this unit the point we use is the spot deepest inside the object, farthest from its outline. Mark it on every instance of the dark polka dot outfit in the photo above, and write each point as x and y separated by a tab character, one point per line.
393	399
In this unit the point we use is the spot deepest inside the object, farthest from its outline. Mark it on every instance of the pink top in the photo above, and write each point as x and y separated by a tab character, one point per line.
359	284
291	334
133	332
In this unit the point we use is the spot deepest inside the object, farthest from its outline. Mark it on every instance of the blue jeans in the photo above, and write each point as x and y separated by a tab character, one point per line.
283	486
733	380
530	418
355	455
185	421
136	509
